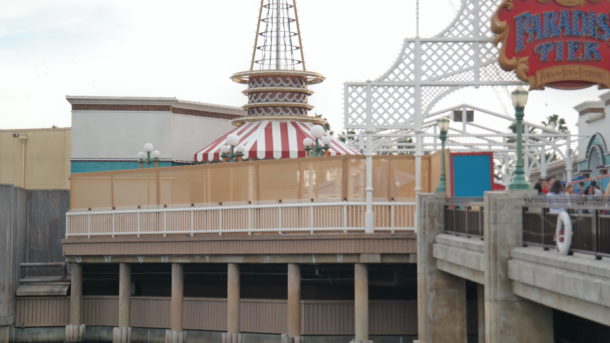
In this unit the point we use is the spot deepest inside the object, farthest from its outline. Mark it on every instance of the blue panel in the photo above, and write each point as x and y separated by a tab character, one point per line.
97	166
471	175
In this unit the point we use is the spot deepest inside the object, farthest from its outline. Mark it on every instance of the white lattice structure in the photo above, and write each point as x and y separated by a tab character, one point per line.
401	102
475	135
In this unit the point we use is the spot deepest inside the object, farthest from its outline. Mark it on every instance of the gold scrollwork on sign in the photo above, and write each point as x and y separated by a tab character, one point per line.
501	29
569	3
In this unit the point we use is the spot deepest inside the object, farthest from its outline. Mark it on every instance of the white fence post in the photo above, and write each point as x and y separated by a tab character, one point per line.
67	226
249	221
279	224
139	224
164	224
220	222
311	218
344	216
192	228
392	215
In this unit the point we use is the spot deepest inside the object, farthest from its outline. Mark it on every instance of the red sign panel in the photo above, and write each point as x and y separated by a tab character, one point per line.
556	43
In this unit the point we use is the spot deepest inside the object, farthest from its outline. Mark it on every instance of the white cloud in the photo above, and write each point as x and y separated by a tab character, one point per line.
187	49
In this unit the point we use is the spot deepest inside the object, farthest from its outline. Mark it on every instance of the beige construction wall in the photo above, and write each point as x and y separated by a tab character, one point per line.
304	179
35	158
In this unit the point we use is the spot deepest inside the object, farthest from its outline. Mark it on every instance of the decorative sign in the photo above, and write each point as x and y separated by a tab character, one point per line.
556	43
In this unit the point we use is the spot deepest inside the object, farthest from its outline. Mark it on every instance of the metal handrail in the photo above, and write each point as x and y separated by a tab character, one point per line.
219	219
590	226
465	201
576	202
247	206
465	225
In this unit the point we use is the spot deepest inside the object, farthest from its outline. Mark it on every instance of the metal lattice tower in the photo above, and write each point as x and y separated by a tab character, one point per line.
278	80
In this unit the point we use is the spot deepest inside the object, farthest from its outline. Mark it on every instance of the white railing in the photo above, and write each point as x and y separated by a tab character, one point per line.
277	218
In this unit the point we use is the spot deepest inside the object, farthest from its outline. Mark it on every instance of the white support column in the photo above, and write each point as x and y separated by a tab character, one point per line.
294	305
122	333
361	303
418	114
232	335
506	171
176	333
544	163
75	331
369	217
418	165
569	161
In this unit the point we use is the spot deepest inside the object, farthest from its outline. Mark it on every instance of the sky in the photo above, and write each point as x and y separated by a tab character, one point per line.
189	48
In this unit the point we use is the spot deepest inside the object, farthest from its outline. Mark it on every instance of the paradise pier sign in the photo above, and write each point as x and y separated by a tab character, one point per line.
557	43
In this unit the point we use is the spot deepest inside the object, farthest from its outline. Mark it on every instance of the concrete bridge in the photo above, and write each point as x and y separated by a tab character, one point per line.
520	279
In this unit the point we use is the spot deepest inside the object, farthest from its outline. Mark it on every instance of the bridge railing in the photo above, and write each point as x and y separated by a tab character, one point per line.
464	216
589	217
310	217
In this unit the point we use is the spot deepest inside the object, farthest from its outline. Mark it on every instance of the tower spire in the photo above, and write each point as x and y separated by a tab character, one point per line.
277	45
277	80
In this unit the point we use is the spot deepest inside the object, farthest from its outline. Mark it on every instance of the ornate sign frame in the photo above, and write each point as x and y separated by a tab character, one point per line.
556	43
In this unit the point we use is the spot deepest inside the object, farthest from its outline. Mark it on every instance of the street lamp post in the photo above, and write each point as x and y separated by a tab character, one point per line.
231	152
519	98
443	125
149	156
315	148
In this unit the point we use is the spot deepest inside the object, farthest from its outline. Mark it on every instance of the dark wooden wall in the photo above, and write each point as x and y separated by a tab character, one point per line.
12	247
32	224
46	224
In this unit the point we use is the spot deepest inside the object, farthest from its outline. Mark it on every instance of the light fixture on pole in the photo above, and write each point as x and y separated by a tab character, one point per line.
315	148
443	126
231	152
149	156
519	98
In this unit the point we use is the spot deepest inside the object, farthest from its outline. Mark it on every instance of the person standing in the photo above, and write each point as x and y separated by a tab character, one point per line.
538	187
555	196
596	191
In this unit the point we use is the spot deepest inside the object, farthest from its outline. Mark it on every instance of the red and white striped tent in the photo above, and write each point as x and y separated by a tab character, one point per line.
271	139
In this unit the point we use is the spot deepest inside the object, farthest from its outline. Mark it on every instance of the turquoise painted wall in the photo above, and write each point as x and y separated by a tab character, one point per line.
98	166
471	174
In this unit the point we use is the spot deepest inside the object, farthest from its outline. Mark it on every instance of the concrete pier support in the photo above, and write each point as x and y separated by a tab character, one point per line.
75	330
508	318
481	313
176	334
294	305
232	335
122	334
361	303
5	334
441	297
